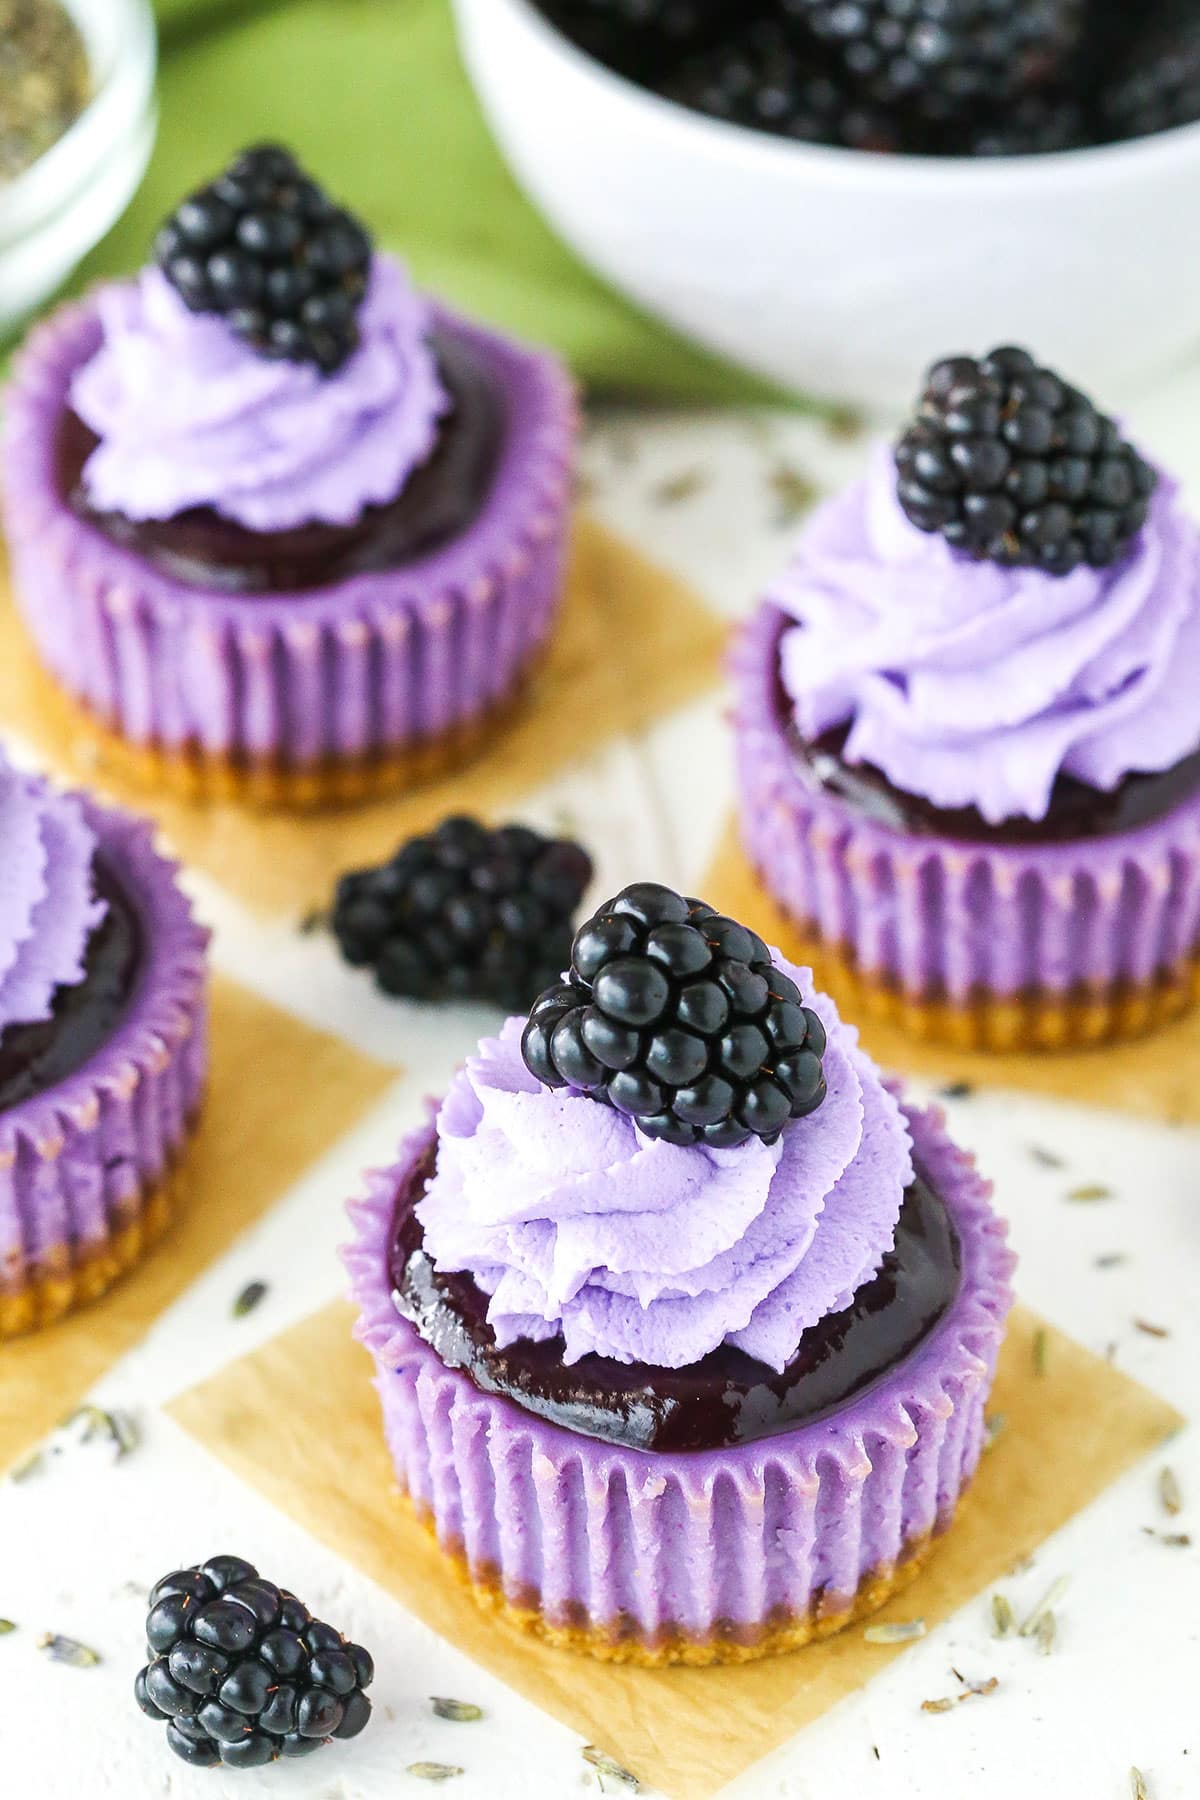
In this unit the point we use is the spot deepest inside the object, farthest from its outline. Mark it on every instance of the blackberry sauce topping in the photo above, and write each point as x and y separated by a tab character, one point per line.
1013	465
727	1397
1076	810
676	1015
242	1674
440	499
267	249
465	913
38	1056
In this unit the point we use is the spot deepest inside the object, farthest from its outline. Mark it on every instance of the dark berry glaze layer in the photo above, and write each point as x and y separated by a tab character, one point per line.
1075	811
440	500
36	1057
727	1398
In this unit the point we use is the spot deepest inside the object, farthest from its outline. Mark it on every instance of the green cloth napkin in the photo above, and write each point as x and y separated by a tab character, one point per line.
372	95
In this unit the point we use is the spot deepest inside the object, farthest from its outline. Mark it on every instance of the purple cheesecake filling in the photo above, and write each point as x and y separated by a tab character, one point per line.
984	696
933	916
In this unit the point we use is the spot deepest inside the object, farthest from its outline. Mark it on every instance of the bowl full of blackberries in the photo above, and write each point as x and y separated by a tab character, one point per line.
830	191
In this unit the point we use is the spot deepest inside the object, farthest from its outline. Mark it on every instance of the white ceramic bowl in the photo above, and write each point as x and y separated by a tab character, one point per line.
840	273
53	213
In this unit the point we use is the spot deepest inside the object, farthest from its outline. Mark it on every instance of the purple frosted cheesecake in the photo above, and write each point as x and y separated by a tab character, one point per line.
968	728
282	527
683	1322
103	1047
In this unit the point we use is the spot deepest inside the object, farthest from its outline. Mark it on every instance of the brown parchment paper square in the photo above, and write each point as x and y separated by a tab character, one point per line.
1160	1082
280	1093
633	643
299	1421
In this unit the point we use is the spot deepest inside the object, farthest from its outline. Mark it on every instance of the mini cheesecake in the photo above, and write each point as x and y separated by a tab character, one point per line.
103	1048
669	1391
968	743
283	528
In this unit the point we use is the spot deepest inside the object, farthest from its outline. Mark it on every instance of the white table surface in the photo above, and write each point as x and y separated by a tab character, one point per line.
80	1542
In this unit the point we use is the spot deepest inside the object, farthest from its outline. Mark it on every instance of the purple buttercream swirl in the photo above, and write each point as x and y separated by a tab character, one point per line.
188	415
977	685
573	1222
47	906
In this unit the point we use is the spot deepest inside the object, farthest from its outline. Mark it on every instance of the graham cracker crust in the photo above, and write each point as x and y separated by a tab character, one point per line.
67	1279
622	1641
1002	1023
100	752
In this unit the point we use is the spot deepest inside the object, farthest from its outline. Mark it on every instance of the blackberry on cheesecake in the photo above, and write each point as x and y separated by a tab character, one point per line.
1011	463
465	912
676	1015
266	248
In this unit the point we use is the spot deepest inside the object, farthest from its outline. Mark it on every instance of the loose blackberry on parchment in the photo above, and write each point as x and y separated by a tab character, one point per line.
465	913
242	1674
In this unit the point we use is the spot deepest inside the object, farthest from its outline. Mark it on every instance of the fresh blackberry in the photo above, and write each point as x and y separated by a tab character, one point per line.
1011	464
1034	124
771	79
465	913
242	1673
640	38
1154	82
944	58
676	1015
675	21
266	248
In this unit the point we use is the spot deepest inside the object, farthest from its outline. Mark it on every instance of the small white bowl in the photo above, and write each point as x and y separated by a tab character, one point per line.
58	208
836	272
